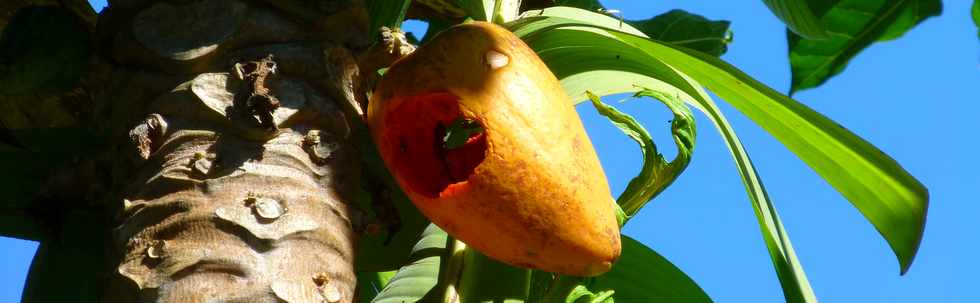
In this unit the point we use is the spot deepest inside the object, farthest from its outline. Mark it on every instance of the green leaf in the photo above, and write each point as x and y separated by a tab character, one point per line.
676	26
579	56
688	30
460	131
486	280
589	55
417	280
656	173
479	10
798	18
582	294
389	13
43	49
640	275
853	25
643	275
497	11
370	284
976	14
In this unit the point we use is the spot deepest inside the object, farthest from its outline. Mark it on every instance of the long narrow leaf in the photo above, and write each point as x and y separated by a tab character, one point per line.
798	18
586	58
888	196
418	279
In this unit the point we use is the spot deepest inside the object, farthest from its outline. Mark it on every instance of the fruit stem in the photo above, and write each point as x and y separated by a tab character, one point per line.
454	268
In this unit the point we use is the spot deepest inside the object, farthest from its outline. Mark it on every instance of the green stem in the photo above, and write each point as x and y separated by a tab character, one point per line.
497	16
454	267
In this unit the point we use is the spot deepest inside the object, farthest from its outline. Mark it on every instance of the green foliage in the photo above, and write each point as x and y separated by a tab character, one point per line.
853	26
582	294
675	26
643	275
487	281
417	280
479	10
688	30
656	173
43	49
458	132
388	13
976	14
798	18
370	284
589	51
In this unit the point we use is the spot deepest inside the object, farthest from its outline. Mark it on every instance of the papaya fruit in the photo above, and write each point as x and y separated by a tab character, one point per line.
520	182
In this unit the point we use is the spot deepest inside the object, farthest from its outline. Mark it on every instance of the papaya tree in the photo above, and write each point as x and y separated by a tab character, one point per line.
232	150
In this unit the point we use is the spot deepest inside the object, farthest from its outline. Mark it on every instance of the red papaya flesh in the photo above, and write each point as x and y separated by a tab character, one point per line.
525	186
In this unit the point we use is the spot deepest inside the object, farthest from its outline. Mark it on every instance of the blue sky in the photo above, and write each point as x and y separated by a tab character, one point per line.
915	98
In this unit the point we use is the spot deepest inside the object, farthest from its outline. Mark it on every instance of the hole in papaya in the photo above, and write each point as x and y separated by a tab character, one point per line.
432	145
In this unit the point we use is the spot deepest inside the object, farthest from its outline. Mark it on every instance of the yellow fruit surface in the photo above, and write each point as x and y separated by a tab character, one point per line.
528	190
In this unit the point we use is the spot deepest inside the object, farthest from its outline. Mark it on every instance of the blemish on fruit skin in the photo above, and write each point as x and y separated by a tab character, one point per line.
496	59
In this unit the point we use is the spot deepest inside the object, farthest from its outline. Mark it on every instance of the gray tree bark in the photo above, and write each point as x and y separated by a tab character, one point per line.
240	117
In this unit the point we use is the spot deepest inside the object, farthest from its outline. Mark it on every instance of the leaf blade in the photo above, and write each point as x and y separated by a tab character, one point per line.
643	275
976	15
796	287
889	197
688	30
418	279
853	26
798	18
656	173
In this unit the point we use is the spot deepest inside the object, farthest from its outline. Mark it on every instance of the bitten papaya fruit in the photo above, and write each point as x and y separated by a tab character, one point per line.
523	185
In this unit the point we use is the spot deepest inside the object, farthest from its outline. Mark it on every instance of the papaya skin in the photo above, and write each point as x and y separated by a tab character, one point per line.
532	192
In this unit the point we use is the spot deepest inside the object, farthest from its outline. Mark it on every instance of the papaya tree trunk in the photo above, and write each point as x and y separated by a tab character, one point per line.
239	117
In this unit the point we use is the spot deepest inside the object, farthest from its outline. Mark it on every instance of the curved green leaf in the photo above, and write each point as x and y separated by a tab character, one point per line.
588	58
853	25
43	48
417	280
888	196
582	294
643	275
656	173
798	17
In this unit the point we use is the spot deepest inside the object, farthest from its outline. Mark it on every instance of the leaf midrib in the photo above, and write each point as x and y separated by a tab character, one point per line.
859	37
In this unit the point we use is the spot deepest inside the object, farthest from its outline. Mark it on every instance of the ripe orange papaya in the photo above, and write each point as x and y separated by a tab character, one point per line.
524	186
